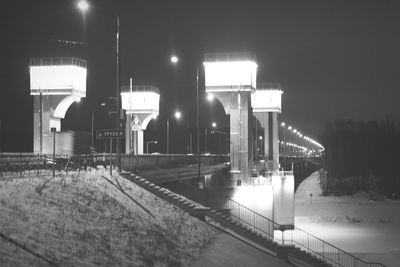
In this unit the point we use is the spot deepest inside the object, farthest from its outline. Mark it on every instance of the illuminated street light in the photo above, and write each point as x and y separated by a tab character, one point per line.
147	145
83	6
210	97
174	59
283	124
214	124
177	115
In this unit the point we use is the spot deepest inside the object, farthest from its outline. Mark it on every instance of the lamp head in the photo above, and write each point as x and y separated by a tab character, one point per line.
174	59
83	6
178	115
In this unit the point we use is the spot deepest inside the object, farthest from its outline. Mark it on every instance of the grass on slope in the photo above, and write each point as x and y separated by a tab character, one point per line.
84	220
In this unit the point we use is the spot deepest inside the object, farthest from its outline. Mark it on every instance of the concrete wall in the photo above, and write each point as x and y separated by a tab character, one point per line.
132	162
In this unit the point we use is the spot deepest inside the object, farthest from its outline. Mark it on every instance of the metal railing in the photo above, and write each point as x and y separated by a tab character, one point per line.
55	61
250	218
322	249
140	88
296	237
28	164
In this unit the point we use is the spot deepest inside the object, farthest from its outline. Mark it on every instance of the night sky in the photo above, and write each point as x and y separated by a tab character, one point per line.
333	59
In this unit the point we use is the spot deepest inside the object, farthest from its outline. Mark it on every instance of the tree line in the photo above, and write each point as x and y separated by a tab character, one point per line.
362	155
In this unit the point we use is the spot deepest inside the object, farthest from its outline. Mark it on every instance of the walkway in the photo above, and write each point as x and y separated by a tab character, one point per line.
229	251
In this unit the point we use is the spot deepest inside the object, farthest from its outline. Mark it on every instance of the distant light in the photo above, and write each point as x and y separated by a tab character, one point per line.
103	104
260	137
290	127
294	130
210	97
78	100
214	124
174	59
178	115
283	124
155	142
83	6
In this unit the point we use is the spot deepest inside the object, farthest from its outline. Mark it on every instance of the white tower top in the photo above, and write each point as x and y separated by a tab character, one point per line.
58	76
230	72
142	99
267	98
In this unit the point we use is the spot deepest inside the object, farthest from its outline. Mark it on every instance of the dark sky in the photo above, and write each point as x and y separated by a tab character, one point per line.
333	59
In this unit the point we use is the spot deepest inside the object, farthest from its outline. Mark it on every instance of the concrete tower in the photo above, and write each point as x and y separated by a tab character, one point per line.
266	103
55	84
142	105
231	78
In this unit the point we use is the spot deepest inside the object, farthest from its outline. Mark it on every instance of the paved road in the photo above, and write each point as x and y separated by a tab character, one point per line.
229	251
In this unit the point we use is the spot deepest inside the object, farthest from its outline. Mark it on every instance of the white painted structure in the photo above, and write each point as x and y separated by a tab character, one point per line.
231	78
55	83
142	104
266	103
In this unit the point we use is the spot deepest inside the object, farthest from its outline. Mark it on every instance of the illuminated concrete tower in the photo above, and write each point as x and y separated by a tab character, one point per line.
266	103
142	105
231	78
55	84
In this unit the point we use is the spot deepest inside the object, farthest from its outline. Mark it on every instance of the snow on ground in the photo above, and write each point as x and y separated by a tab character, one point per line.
84	220
369	229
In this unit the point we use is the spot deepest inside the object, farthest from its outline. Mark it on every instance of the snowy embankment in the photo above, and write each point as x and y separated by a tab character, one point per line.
369	229
92	219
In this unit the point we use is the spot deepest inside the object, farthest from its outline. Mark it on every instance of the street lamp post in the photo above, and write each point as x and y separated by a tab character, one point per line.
174	59
84	7
93	111
226	139
198	122
147	145
177	115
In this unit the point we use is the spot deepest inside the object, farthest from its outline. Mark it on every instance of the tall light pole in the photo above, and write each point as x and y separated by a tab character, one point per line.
284	138
84	7
198	123
226	139
147	145
174	59
177	115
93	111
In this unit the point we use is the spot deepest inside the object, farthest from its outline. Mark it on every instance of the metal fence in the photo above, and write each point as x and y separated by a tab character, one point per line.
323	250
250	218
297	237
28	164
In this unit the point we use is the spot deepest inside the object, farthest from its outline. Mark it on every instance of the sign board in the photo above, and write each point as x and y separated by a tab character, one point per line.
110	133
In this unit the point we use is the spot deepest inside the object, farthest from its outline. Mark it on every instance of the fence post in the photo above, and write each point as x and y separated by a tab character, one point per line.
254	220
20	164
291	237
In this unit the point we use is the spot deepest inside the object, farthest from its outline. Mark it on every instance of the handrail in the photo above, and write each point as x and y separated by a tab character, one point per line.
297	237
256	221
